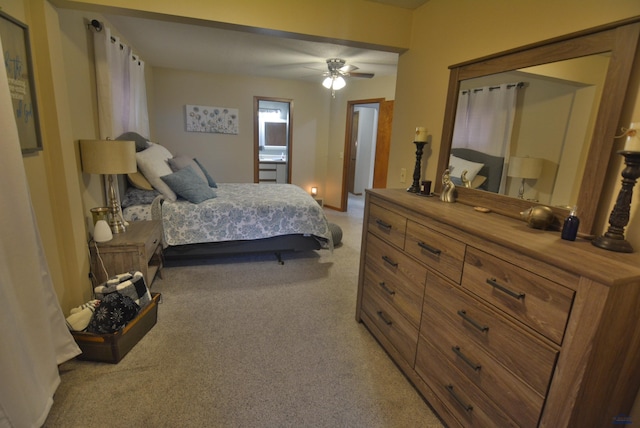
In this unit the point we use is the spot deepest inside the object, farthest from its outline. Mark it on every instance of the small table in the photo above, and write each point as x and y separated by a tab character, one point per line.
139	248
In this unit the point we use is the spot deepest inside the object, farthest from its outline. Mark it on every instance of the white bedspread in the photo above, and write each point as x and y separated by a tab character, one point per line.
244	211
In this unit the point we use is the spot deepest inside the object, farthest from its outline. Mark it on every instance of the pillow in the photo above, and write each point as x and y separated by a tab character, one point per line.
134	196
137	180
179	162
152	162
141	142
210	180
458	165
188	185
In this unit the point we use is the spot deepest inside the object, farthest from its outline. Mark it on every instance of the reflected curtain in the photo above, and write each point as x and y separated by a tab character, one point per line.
484	121
122	96
35	338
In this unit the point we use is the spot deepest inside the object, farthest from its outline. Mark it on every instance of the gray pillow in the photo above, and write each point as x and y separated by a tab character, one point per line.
187	184
141	142
181	161
210	180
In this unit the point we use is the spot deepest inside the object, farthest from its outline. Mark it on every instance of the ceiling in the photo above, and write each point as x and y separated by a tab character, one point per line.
205	48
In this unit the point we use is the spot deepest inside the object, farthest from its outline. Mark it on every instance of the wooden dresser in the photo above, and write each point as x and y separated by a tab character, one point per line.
495	323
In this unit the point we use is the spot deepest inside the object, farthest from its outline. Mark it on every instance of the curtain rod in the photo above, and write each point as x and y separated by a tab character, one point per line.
491	88
97	25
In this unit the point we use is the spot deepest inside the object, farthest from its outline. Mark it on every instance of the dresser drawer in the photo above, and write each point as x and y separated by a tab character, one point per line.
436	250
527	357
402	335
506	390
467	402
396	277
387	225
536	301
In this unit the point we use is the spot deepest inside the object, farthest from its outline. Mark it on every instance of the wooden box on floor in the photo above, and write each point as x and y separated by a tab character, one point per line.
111	348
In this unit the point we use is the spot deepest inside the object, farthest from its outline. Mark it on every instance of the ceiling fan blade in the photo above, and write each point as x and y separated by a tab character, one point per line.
362	75
347	68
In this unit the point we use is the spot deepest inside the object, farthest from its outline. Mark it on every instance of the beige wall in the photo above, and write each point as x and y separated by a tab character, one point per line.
229	158
449	32
366	22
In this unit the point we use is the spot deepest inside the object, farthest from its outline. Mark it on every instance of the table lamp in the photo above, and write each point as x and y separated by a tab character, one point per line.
525	168
109	157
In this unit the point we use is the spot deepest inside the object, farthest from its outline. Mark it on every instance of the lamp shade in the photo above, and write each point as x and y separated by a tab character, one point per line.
522	167
108	156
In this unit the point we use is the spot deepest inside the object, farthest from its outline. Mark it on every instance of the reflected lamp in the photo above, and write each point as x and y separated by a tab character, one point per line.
525	168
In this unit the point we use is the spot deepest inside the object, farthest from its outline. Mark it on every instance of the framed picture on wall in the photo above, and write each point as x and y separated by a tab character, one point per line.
16	52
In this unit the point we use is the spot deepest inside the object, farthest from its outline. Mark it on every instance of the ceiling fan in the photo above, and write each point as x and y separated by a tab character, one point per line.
338	70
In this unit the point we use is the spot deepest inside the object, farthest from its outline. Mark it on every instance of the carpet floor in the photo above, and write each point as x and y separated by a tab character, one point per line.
246	342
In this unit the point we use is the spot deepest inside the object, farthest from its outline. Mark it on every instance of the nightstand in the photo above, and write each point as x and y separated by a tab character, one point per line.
139	248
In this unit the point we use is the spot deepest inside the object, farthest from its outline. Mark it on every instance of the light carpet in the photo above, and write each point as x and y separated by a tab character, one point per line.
246	342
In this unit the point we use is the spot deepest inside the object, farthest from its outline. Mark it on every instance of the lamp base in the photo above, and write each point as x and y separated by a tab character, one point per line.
613	243
115	223
613	239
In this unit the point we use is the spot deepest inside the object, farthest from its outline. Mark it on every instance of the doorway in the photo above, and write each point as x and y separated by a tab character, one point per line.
272	130
366	150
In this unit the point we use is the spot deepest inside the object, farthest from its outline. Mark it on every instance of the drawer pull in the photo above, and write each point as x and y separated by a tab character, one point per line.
387	289
494	283
382	317
388	260
458	352
429	248
383	224
476	324
155	241
465	406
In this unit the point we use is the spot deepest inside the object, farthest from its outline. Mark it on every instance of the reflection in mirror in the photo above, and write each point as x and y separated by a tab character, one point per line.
530	129
572	127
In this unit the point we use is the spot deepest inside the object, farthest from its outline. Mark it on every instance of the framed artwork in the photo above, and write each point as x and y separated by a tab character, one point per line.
17	61
217	120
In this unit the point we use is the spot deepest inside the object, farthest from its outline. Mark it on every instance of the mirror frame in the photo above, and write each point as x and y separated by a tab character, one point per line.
621	40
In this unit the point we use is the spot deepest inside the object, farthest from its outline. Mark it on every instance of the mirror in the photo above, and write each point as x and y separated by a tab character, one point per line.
272	140
571	170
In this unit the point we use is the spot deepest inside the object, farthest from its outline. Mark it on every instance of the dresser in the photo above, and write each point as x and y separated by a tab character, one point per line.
496	323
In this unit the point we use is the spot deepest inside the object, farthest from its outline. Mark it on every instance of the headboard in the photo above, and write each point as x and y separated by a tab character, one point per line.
492	168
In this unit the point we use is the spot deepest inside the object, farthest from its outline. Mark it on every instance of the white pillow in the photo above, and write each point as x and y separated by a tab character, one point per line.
457	166
153	164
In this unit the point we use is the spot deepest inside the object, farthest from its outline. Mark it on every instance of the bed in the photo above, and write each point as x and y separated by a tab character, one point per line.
203	218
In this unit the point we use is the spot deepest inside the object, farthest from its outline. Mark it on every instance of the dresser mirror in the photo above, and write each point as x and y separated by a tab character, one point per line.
567	97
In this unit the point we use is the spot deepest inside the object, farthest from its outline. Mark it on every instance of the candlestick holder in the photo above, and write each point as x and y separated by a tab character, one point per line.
415	187
614	239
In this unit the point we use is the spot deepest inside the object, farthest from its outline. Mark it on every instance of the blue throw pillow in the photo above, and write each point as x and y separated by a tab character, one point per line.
188	185
212	183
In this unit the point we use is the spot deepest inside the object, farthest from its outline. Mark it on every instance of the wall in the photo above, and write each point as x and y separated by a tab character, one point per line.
229	158
476	29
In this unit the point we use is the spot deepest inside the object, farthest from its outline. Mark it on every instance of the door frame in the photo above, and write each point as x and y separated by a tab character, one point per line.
347	149
256	138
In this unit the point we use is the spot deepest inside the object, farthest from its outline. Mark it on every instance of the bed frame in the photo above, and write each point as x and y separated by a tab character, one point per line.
276	245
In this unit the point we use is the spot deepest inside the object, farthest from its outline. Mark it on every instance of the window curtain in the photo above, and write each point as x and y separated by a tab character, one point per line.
484	121
35	338
122	96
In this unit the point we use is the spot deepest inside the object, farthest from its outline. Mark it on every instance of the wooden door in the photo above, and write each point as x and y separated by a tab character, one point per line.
383	145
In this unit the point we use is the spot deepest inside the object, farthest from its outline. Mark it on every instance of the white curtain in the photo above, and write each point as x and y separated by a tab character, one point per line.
35	338
122	96
484	121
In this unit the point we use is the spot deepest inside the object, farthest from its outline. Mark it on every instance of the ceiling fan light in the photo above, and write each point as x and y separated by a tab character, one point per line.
327	82
339	83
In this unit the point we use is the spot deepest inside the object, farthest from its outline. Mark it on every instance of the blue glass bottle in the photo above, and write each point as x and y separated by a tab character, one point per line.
570	227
